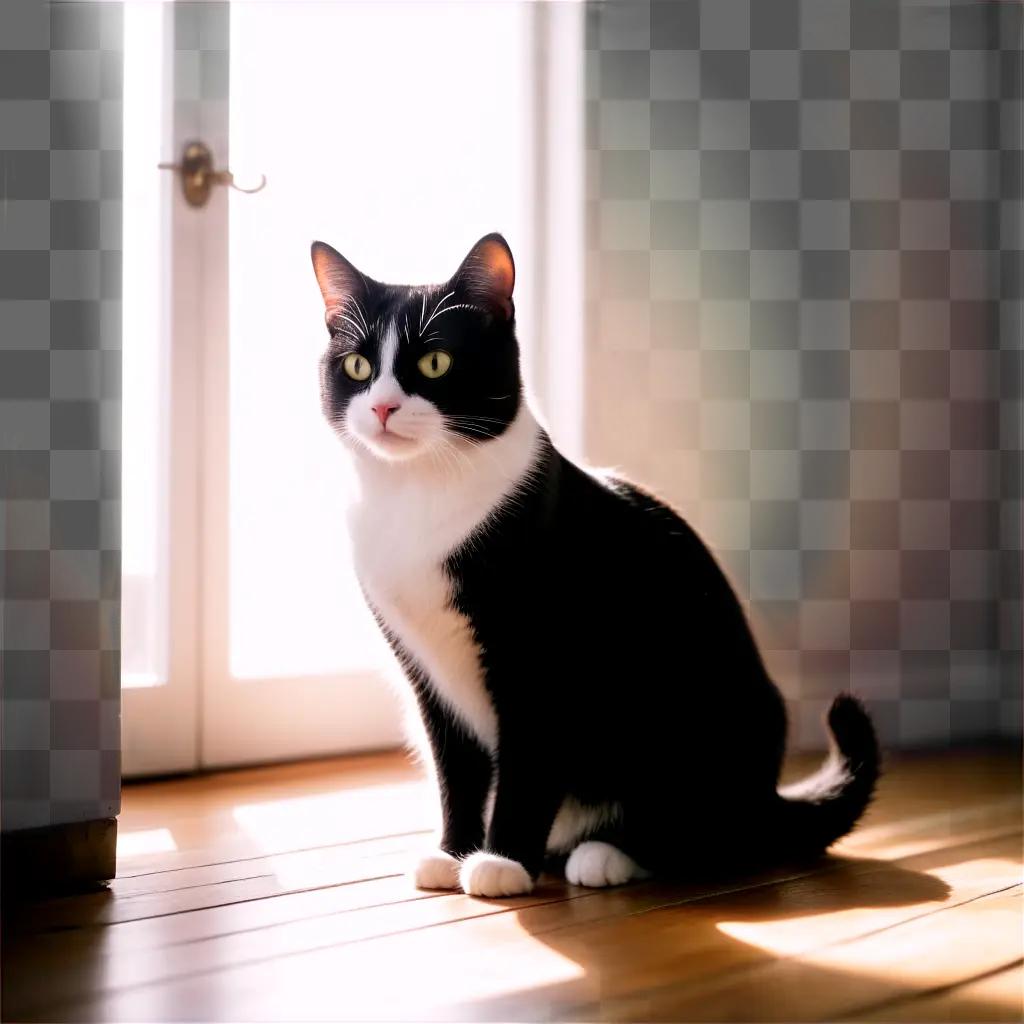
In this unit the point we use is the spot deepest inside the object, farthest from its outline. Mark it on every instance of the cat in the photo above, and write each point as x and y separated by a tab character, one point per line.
585	674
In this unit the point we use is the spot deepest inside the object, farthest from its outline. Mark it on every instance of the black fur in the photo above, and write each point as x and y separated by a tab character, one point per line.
622	669
619	661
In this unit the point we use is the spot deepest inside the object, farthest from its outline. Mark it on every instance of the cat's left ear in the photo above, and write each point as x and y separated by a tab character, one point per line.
339	281
488	275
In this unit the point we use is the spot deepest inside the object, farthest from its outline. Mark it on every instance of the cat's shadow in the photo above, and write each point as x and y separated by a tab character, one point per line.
658	951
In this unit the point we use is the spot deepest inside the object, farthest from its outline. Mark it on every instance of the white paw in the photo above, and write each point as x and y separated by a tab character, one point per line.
487	874
436	870
599	864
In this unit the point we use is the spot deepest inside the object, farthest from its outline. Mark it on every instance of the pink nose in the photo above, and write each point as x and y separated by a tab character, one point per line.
383	411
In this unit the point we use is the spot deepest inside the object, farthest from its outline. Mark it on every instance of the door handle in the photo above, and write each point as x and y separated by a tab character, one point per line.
198	176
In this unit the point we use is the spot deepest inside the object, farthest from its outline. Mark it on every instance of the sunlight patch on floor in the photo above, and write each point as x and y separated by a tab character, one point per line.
150	840
348	816
923	832
999	997
417	979
809	936
305	869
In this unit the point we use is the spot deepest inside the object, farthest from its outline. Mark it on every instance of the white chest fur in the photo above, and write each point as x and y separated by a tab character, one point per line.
407	521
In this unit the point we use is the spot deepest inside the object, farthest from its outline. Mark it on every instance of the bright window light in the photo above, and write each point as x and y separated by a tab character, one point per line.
399	133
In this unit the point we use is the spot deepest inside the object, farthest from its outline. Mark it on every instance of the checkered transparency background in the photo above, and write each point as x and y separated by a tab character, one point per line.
60	388
804	328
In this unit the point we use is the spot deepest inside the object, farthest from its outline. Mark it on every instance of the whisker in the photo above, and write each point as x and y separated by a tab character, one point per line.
359	312
474	419
451	455
449	309
344	316
436	308
436	458
472	416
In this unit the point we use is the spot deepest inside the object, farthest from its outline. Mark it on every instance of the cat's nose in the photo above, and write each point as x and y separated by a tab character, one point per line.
384	410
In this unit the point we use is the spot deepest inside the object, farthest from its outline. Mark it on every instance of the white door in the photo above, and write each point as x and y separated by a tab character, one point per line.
399	133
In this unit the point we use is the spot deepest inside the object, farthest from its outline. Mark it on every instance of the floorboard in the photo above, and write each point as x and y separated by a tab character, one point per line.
279	894
994	996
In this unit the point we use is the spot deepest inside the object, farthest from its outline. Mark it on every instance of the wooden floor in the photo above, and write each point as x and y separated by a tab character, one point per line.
278	894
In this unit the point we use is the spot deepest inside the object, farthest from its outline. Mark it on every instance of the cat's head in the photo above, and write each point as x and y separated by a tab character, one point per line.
411	370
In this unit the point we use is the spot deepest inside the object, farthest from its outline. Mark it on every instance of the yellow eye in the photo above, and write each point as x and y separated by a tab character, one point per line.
357	366
435	364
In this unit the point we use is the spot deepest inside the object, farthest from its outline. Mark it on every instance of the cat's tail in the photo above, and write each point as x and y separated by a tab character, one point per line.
822	808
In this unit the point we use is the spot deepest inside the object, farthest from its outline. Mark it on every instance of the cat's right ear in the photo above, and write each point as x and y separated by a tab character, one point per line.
339	281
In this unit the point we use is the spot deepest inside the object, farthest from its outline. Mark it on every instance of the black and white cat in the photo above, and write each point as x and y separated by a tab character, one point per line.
585	674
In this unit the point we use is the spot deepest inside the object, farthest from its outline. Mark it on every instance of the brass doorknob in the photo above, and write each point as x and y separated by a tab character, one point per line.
198	175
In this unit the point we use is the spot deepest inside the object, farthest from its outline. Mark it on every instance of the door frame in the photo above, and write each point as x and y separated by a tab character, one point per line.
160	724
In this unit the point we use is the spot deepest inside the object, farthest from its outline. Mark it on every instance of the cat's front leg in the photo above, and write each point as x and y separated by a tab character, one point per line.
464	771
526	800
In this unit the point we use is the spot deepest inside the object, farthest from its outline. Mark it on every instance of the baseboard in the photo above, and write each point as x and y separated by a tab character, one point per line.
58	858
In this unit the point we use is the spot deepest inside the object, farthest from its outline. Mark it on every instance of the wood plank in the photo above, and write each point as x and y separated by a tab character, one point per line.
319	865
223	885
995	996
849	978
199	809
77	949
611	936
209	825
296	835
717	960
350	916
186	889
294	909
77	952
200	812
300	826
540	963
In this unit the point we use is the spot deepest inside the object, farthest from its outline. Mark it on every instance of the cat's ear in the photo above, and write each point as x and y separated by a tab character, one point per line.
339	281
488	275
